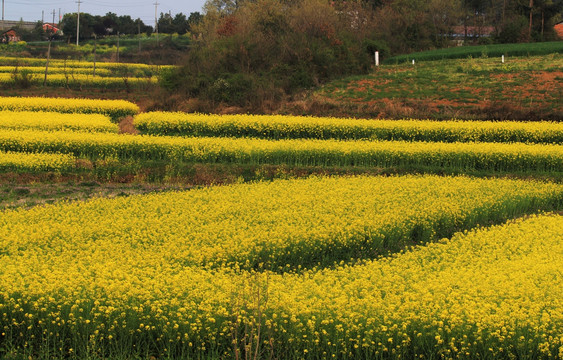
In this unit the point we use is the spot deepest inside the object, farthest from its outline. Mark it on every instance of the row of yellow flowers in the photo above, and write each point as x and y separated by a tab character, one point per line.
31	162
487	157
73	80
21	61
490	293
293	127
284	223
112	108
53	70
53	121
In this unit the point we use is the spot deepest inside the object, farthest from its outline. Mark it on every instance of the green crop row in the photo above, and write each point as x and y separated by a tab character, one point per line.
494	50
296	127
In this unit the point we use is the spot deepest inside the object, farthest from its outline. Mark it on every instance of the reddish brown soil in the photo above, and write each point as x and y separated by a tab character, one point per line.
528	95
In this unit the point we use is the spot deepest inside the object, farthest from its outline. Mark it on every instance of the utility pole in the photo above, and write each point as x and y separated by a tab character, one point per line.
530	27
59	22
42	16
118	46
139	33
95	41
78	21
2	15
156	21
50	34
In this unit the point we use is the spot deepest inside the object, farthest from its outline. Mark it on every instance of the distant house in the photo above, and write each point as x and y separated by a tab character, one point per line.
473	31
52	28
559	29
9	36
461	33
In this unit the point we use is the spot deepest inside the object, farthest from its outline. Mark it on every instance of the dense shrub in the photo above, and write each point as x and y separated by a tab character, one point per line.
267	49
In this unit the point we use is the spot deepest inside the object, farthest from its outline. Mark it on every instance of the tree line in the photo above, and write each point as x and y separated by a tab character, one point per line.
259	51
112	24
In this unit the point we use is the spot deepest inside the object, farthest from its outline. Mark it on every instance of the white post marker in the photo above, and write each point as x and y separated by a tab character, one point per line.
413	61
502	59
377	58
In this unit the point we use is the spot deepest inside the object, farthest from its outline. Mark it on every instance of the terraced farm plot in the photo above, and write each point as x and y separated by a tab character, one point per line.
21	62
81	80
71	74
35	162
65	292
485	157
53	121
353	267
296	127
112	108
293	223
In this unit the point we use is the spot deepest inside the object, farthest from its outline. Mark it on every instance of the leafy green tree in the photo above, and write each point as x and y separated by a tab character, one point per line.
223	7
193	20
68	24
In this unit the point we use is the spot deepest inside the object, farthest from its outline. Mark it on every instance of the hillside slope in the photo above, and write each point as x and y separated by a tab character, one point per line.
528	88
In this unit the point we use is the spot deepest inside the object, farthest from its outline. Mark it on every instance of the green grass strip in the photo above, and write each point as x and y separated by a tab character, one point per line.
494	50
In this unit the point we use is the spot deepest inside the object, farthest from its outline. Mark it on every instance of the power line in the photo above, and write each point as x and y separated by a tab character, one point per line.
40	3
115	5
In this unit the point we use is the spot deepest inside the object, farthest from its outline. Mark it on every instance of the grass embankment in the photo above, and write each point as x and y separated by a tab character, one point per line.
479	51
527	88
